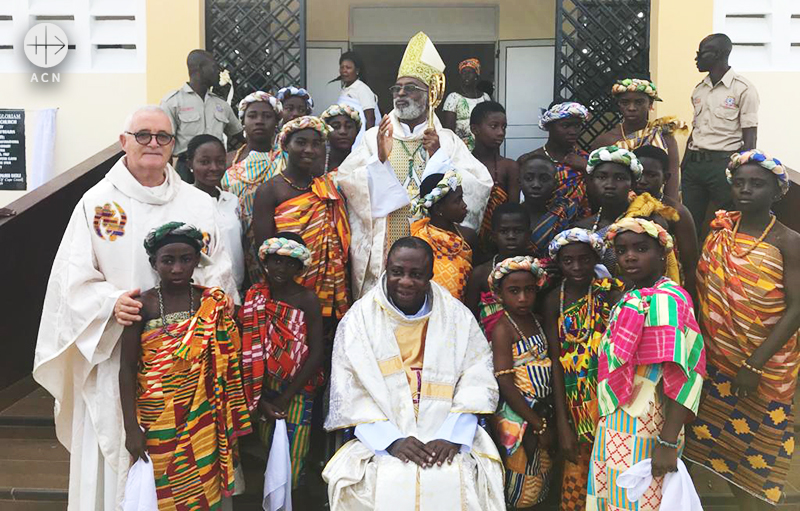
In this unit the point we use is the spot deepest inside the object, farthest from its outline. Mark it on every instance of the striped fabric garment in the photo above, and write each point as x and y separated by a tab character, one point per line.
560	214
320	217
274	349
243	179
652	326
571	184
621	441
653	134
191	404
452	256
527	477
496	197
490	310
748	441
273	343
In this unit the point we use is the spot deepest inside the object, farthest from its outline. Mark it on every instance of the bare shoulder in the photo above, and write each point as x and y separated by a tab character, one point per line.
586	223
502	334
307	301
606	139
149	301
786	240
551	299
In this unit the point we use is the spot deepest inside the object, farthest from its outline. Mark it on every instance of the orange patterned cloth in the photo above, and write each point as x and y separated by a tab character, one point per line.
452	262
320	217
191	404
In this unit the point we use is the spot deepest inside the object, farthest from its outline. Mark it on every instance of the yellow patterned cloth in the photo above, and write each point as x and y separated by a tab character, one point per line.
748	441
653	134
421	60
320	217
191	404
452	256
408	162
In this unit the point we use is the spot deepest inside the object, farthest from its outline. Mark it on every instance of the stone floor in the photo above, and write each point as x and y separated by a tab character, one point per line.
34	467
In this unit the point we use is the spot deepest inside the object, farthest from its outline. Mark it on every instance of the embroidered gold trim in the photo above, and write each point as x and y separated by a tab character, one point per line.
390	366
432	390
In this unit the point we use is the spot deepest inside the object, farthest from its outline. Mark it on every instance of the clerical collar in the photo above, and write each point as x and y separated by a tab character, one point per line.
419	129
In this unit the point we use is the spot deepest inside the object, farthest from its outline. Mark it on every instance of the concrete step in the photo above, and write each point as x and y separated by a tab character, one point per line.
32	505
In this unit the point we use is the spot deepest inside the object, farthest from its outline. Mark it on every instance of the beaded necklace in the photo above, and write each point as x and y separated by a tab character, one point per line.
296	187
735	248
164	316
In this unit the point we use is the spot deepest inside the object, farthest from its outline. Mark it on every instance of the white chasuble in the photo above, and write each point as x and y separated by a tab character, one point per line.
369	232
77	351
369	384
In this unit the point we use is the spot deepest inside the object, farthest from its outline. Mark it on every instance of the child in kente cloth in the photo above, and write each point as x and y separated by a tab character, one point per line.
650	371
441	200
575	318
510	232
522	368
180	380
282	348
748	281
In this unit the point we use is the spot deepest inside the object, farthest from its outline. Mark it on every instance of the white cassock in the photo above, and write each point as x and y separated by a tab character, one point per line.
77	351
370	390
373	191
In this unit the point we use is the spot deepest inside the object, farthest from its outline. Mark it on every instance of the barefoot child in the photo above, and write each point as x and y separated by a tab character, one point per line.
749	286
282	349
522	368
511	231
180	380
576	315
441	200
650	370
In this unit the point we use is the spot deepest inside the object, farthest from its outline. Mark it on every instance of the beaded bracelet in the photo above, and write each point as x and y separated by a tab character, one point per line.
505	371
664	443
544	428
751	368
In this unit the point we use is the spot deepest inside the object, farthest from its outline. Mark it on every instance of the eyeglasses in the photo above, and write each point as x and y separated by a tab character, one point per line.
407	88
144	137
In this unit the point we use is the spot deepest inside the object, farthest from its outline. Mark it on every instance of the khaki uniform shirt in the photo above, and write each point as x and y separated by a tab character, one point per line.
721	111
191	116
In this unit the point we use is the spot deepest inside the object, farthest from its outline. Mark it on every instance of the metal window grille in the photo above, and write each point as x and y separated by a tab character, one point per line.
262	43
597	43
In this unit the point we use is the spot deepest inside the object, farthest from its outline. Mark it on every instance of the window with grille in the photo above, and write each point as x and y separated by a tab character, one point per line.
765	33
104	35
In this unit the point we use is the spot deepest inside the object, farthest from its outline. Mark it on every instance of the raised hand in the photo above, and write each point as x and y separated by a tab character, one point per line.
385	139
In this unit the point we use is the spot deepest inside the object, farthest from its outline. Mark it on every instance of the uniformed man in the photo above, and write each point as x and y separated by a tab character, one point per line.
725	121
194	110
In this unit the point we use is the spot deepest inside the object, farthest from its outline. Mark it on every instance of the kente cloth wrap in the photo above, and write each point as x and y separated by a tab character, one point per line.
654	134
496	197
563	111
449	183
615	154
748	441
274	343
623	439
644	206
491	311
287	92
581	327
571	186
303	123
512	264
652	326
577	235
284	247
191	404
243	179
259	96
470	64
640	226
452	256
527	478
764	161
560	214
320	217
635	85
172	231
575	480
342	109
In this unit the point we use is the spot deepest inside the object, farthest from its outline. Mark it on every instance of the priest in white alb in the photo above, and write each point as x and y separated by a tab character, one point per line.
99	270
412	371
382	175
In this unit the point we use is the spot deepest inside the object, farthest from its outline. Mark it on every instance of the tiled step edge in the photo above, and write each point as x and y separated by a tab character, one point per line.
37	494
